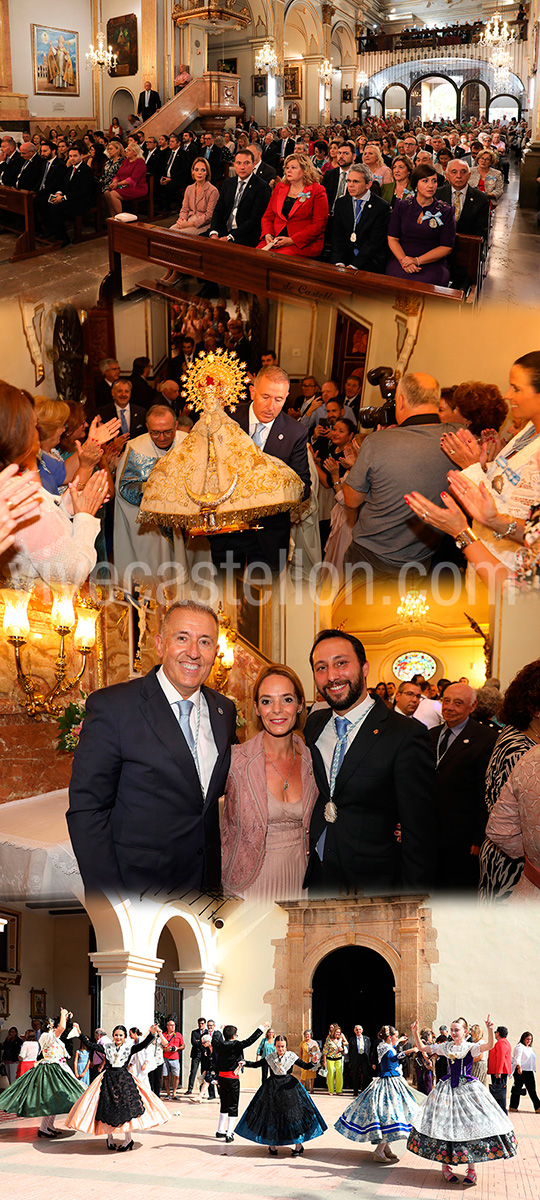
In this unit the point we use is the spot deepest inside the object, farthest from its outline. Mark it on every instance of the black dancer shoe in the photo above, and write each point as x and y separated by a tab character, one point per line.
44	1133
112	1146
229	1137
218	1134
298	1150
129	1146
273	1150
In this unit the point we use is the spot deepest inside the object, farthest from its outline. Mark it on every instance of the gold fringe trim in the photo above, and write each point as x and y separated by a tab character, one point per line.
243	517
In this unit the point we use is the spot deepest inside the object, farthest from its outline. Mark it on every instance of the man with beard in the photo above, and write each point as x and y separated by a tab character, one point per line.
371	828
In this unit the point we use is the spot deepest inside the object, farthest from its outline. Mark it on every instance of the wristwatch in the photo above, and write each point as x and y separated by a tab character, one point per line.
465	538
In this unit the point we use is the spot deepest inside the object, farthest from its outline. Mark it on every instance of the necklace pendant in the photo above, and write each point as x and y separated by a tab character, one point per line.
498	483
285	786
330	812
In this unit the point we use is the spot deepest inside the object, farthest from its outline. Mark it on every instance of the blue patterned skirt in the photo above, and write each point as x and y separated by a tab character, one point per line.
281	1114
384	1112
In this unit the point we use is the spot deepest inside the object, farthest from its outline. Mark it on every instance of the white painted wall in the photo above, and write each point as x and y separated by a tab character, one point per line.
74	15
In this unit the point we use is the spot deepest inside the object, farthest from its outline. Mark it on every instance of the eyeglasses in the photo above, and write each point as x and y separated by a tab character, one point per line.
161	433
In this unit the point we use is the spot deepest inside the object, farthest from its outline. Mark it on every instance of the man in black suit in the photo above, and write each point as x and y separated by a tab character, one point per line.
471	206
150	768
214	157
196	1053
243	199
142	394
153	158
375	772
335	181
11	163
285	146
359	1059
279	435
360	225
76	197
53	175
178	364
263	169
132	419
149	102
462	750
110	372
270	150
29	176
171	183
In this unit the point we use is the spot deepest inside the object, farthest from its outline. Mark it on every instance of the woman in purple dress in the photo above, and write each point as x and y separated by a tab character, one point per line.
422	232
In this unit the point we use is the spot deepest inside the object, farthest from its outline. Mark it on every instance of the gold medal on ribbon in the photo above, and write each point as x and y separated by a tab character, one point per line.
433	223
330	812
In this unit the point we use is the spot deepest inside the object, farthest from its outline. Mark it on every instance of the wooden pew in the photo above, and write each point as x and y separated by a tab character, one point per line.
468	256
27	245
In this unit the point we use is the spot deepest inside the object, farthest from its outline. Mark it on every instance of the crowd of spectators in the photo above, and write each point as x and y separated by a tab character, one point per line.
380	197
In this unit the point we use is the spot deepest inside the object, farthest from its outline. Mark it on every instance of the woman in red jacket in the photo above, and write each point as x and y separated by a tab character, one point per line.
295	220
130	181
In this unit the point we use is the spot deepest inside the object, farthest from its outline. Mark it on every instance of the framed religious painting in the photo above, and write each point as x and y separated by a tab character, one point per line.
38	1002
122	38
293	82
229	66
4	1002
55	59
259	85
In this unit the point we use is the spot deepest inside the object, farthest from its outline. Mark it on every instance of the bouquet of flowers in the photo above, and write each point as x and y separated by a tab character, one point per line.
70	724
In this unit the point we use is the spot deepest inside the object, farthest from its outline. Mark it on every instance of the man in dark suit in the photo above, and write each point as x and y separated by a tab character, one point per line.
76	197
196	1053
360	225
270	150
110	372
142	394
150	768
462	750
374	772
172	183
132	419
281	436
243	199
359	1059
11	163
263	169
285	146
149	102
53	175
472	205
214	157
29	176
335	181
154	157
178	364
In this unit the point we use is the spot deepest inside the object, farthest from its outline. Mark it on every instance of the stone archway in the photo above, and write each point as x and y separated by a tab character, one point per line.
399	929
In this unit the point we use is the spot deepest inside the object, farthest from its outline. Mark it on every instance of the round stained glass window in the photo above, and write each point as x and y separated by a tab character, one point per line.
414	663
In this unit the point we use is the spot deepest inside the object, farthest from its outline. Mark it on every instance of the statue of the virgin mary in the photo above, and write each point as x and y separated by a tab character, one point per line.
217	480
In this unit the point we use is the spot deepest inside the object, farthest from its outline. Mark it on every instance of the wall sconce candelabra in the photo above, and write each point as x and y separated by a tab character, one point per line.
64	620
225	652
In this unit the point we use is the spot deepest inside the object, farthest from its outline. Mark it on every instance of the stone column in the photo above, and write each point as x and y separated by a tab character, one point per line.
279	10
530	166
13	105
148	43
348	80
313	91
200	999
128	984
263	107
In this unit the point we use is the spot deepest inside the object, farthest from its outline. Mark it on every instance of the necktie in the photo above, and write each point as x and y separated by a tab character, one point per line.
45	173
357	210
123	422
231	223
442	744
457	205
257	436
342	726
342	184
184	711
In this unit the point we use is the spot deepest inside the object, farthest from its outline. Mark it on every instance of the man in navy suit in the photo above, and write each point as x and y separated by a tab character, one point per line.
75	198
278	435
149	102
150	768
360	226
471	206
132	418
375	771
243	199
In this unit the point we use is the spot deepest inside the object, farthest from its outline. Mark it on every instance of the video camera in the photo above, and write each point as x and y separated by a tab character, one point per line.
370	417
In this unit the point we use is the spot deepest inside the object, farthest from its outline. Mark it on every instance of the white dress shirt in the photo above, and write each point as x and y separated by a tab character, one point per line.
326	740
523	1057
428	713
206	747
253	422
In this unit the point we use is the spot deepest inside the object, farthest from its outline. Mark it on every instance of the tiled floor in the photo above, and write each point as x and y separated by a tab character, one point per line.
183	1159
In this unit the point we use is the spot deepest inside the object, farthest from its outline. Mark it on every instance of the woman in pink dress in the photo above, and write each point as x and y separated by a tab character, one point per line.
129	183
269	796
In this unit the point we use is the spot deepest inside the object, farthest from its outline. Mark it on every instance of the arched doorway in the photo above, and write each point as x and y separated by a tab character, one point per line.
353	985
168	1001
123	104
433	98
504	108
473	100
395	101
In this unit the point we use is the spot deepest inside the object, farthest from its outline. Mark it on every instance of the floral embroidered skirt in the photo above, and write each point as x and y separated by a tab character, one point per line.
383	1112
462	1125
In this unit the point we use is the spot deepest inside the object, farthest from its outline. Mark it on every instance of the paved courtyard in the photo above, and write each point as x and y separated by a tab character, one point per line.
183	1160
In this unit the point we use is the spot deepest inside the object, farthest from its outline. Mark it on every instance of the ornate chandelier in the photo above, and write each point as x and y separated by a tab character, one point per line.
412	608
266	59
497	34
362	79
326	71
101	58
